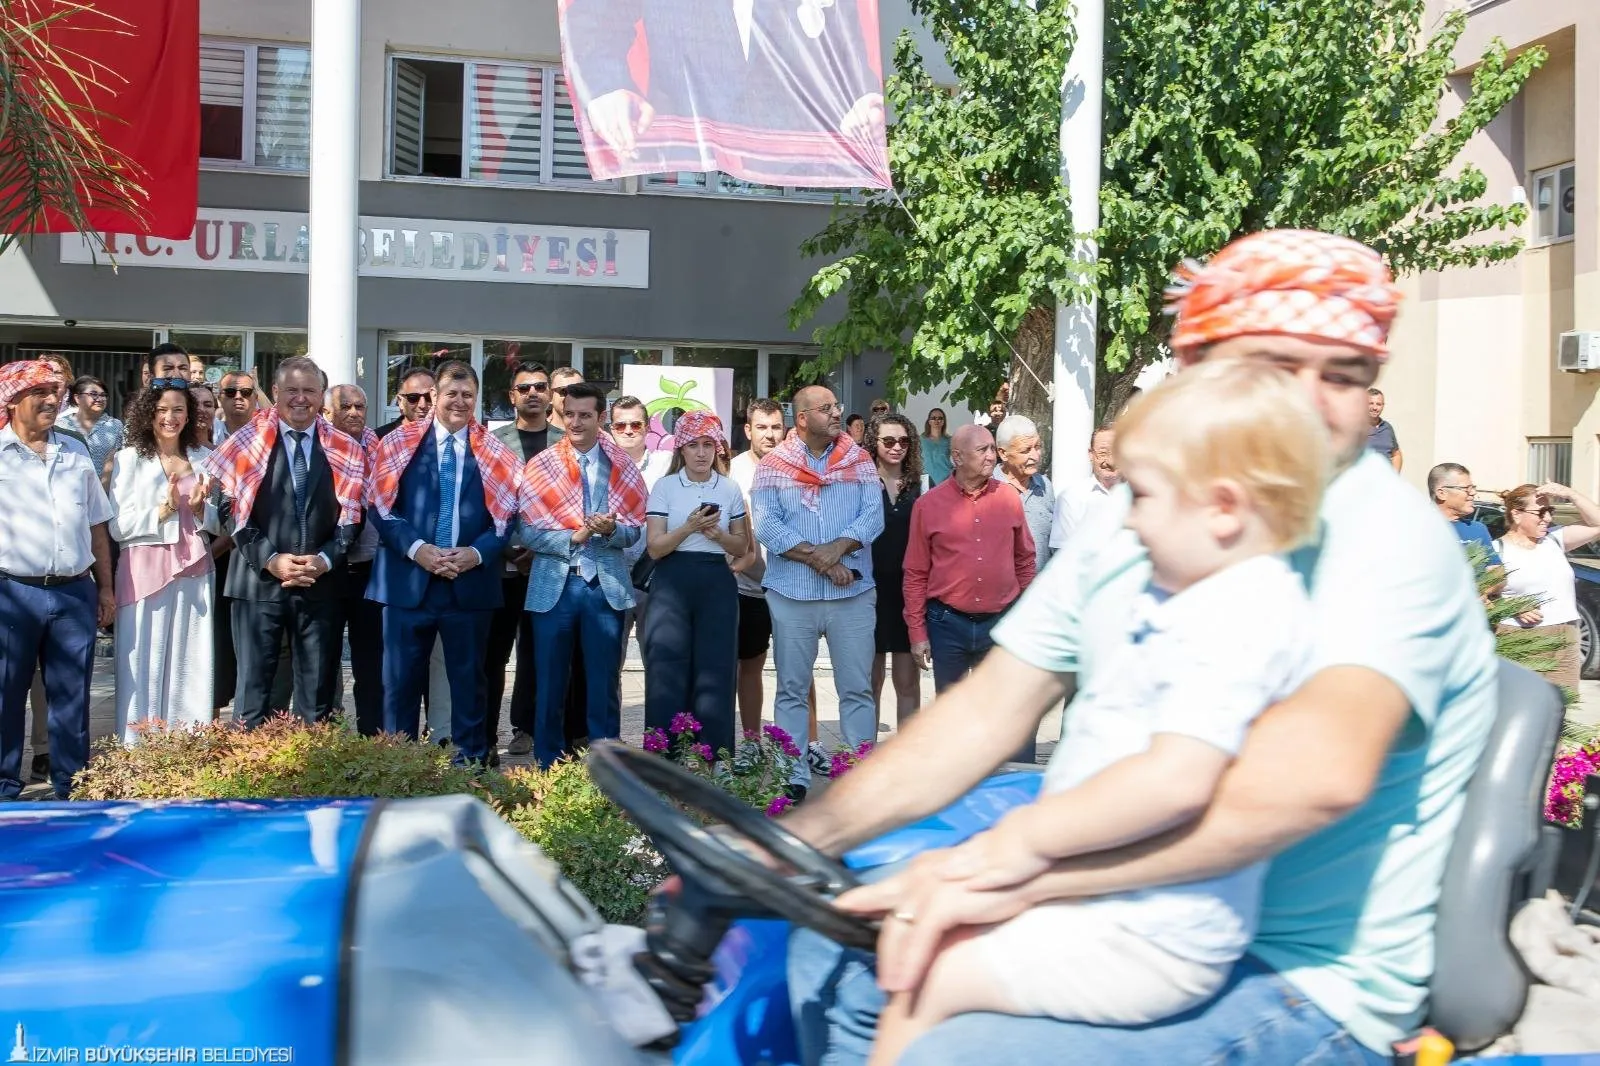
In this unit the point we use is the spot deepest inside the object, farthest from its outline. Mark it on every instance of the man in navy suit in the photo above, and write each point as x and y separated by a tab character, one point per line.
438	485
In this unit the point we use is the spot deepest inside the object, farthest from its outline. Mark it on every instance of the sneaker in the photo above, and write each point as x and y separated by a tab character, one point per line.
521	743
796	794
820	761
41	768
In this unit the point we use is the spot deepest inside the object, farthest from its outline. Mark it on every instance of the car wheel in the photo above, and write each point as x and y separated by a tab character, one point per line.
1588	647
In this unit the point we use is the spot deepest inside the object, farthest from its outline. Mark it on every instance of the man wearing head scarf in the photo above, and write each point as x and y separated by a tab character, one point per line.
52	535
1351	788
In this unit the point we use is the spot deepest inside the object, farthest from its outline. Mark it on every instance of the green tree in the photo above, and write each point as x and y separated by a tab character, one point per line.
51	158
1221	117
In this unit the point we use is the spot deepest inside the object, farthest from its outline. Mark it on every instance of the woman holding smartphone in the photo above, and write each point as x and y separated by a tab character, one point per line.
695	520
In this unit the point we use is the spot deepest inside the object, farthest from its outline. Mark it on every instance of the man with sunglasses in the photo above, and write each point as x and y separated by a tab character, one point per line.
1350	789
512	627
415	399
236	404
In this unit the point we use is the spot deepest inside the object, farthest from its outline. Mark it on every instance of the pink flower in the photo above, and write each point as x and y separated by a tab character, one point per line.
656	740
778	805
684	722
1564	800
782	739
705	752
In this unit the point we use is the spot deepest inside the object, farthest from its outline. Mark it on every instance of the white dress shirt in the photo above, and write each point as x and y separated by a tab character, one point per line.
742	469
50	504
288	442
1075	504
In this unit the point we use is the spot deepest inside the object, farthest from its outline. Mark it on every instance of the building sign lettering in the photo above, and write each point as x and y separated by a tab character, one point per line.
280	242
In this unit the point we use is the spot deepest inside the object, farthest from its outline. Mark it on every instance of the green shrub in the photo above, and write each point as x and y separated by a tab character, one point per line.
560	809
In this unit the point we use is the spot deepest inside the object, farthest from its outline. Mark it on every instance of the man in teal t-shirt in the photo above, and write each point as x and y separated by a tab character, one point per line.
1352	787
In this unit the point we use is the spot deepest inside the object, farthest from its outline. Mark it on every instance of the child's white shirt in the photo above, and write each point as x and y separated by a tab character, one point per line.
1202	663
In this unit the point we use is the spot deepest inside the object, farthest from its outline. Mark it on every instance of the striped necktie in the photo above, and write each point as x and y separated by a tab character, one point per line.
442	534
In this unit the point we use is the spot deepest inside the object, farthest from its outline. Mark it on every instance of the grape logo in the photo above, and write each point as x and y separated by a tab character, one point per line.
665	409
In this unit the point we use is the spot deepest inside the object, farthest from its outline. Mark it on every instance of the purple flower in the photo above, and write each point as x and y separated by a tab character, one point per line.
705	752
778	805
684	722
1564	800
840	764
655	740
782	739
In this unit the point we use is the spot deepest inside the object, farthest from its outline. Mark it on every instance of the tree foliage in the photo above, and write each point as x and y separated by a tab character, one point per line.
51	158
1221	117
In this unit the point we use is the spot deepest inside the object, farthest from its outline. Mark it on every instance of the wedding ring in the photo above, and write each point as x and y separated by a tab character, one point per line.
904	916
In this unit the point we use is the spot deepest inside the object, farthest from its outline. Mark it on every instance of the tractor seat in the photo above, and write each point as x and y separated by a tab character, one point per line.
1479	984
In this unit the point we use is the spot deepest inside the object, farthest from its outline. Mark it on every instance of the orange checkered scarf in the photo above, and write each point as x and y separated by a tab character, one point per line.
240	465
552	491
787	466
1299	283
497	468
17	378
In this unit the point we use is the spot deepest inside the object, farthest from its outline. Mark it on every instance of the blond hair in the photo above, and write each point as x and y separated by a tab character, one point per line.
1244	421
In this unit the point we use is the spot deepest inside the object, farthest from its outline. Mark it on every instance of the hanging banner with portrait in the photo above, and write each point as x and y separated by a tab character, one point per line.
777	92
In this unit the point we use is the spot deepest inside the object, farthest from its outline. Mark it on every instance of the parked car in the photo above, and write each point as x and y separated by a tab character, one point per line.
1585	567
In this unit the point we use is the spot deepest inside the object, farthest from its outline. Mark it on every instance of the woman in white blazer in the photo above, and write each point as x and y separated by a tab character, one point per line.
161	507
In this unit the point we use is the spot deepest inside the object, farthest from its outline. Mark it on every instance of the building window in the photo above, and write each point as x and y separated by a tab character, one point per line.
402	354
1550	459
509	123
255	106
603	366
1554	203
501	359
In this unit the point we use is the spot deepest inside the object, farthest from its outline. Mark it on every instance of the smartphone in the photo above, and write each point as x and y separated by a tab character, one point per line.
710	508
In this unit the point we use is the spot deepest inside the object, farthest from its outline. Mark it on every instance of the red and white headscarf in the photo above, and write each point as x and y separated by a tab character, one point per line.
17	378
1298	283
692	425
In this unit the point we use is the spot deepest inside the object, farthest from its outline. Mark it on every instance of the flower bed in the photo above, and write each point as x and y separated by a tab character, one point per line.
1563	803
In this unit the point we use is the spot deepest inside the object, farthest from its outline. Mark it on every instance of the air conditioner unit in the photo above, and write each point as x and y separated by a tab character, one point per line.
1578	351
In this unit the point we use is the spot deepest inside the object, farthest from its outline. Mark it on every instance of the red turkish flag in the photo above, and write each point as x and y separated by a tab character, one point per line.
148	99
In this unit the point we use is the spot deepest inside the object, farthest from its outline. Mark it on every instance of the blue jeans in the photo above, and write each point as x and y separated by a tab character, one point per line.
1258	1019
957	642
582	616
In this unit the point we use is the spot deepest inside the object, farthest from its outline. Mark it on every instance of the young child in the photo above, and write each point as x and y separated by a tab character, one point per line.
1227	464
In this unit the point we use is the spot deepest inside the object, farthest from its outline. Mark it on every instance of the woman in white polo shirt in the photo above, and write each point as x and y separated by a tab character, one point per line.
695	520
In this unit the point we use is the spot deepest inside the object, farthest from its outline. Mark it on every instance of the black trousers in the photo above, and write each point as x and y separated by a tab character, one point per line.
511	627
225	670
361	623
691	639
259	628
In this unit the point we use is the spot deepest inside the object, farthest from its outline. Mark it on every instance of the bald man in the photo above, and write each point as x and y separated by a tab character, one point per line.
819	506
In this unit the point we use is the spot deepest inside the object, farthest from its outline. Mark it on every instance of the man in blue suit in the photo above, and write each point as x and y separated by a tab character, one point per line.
444	491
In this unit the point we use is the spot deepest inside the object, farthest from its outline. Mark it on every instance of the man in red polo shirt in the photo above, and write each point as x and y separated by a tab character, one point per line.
970	556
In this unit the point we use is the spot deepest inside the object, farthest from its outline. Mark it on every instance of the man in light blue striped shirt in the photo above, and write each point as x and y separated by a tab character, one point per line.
819	505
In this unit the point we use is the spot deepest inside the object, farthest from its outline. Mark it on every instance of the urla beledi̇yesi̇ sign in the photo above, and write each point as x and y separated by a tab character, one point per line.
441	250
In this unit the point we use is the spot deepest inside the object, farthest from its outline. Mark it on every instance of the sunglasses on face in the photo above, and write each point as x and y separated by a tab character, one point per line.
895	442
162	384
417	397
1541	512
532	386
233	392
628	427
91	396
560	390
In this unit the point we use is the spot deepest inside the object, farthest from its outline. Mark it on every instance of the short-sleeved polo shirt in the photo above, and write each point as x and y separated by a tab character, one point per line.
675	498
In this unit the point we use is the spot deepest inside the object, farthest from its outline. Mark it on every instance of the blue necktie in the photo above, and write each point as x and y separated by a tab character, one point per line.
447	495
586	566
298	470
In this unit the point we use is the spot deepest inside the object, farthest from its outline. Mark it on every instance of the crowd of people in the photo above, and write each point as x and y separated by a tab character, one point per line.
247	542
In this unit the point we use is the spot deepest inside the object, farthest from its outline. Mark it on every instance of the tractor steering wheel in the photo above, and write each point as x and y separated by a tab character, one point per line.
713	867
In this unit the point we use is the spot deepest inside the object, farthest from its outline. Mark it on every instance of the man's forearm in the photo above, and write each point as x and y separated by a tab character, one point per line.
950	746
100	545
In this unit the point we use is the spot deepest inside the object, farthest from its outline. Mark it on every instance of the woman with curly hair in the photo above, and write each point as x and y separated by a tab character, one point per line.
160	505
892	442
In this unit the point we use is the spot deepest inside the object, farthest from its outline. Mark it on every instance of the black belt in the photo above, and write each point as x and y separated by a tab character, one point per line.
49	581
968	615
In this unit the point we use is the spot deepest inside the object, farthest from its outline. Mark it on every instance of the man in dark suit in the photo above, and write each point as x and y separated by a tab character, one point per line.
294	487
529	435
444	491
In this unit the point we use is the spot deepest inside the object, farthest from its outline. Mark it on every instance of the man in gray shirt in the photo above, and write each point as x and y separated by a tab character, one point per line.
1380	434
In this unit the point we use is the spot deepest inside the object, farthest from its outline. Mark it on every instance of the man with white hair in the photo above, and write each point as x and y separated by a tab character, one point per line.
1020	451
1081	499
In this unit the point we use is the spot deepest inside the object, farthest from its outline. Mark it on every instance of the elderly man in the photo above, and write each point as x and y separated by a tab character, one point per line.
445	493
582	505
1351	788
529	435
818	507
1450	485
1079	501
969	558
296	487
360	620
1020	452
52	535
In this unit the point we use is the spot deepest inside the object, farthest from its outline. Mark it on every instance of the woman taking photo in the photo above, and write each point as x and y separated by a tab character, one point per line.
694	520
101	432
892	442
1535	557
935	447
160	504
